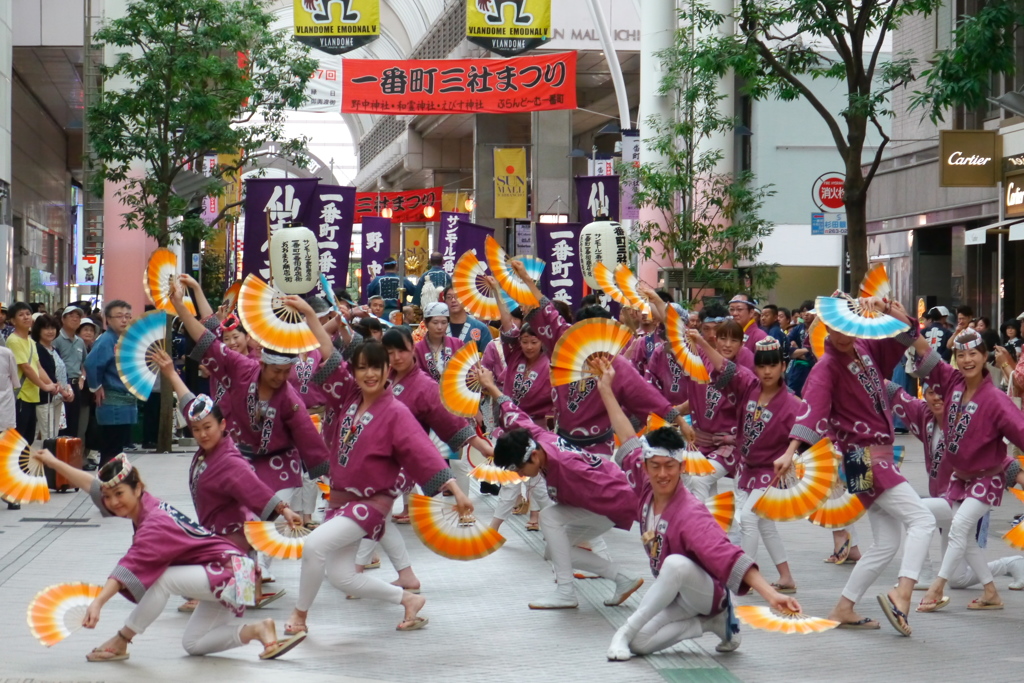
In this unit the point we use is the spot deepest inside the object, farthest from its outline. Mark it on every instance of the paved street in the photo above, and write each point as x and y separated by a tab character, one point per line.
480	628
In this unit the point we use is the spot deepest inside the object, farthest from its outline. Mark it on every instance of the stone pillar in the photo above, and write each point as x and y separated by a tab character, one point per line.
6	229
490	131
550	164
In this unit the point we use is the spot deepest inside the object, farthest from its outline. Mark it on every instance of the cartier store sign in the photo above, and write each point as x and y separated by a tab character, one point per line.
969	158
1013	194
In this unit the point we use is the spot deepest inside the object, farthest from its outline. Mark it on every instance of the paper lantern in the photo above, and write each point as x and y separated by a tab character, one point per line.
294	260
603	241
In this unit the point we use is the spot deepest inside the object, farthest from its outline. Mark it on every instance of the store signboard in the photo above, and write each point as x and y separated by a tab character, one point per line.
969	158
828	223
1013	194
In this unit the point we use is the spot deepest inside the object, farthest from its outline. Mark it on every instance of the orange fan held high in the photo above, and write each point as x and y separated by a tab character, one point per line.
683	349
630	286
474	294
606	280
444	531
573	358
460	390
161	274
497	260
272	323
816	471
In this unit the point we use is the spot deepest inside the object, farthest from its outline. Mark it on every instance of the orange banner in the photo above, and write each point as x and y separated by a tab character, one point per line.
451	86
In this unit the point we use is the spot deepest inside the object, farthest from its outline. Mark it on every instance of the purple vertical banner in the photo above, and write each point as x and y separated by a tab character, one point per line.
283	201
597	195
330	218
472	236
631	157
376	248
448	238
559	245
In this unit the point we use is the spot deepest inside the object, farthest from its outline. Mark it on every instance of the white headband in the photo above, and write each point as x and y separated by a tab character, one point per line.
655	451
973	341
271	358
126	469
200	407
435	310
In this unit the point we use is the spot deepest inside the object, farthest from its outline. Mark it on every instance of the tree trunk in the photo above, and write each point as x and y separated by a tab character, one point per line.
856	200
166	433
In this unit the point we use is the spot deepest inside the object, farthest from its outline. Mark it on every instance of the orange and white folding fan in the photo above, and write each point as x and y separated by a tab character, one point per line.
161	273
586	341
655	422
492	474
1017	493
460	393
630	286
689	360
317	422
497	260
1015	536
840	510
722	508
231	295
277	539
325	490
876	283
441	529
273	324
817	334
606	281
474	295
57	612
766	619
807	491
21	476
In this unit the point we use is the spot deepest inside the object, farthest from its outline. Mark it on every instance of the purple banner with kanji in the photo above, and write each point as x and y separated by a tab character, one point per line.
472	236
631	157
598	198
279	202
448	238
376	248
330	217
559	245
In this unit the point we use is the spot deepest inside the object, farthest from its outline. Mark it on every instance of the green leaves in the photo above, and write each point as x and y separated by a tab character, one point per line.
191	78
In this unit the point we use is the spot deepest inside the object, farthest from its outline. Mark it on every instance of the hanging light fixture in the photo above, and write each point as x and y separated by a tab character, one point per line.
386	212
428	212
470	204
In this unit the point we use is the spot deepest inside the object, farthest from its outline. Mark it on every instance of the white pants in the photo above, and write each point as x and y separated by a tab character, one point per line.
48	419
209	629
305	501
292	496
565	527
704	487
753	527
962	546
536	489
331	550
671	610
891	511
393	545
963	576
460	470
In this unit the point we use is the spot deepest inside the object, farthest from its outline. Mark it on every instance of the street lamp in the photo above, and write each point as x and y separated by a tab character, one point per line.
386	212
428	212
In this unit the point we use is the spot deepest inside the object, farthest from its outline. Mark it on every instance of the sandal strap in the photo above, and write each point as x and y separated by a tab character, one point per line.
123	637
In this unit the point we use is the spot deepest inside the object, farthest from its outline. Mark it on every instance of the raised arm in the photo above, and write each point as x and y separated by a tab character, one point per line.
504	314
76	477
717	359
620	423
520	269
203	309
191	323
166	365
658	306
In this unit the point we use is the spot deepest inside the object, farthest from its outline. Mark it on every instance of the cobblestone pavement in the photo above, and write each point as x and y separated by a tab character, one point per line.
480	628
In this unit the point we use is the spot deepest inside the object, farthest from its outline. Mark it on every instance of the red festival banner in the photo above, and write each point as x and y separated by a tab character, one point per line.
452	86
406	207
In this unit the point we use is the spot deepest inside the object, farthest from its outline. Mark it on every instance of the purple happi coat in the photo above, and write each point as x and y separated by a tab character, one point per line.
752	335
301	376
714	412
973	433
227	493
420	393
434	363
528	385
686	528
575	477
493	360
763	430
640	351
166	538
277	435
375	455
579	411
666	375
848	398
918	417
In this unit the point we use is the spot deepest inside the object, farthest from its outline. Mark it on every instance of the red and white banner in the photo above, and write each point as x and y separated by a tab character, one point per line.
406	207
454	86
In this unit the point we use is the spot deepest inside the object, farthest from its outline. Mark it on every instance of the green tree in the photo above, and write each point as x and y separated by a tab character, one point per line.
189	79
778	49
709	224
983	44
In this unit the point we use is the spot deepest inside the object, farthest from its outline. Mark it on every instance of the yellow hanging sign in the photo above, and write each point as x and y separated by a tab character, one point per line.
336	26
510	182
508	27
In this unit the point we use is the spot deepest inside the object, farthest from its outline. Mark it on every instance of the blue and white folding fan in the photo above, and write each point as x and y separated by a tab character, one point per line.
846	315
534	268
145	334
